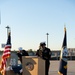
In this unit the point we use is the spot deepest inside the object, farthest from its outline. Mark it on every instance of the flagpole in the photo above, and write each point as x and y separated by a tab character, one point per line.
0	17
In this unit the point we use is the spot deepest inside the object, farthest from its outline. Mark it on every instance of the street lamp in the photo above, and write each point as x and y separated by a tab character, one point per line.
7	30
47	38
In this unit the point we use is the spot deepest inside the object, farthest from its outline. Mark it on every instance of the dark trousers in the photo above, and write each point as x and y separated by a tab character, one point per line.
17	69
47	64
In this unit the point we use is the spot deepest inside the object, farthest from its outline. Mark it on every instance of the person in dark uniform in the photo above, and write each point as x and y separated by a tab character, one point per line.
21	53
44	53
18	68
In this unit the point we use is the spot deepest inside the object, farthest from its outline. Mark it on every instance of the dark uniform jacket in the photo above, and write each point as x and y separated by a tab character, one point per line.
22	53
45	54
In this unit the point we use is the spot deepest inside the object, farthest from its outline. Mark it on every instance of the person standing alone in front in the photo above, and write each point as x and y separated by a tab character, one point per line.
18	68
44	53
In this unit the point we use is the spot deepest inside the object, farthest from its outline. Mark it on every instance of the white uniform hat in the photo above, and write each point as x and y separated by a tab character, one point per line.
20	48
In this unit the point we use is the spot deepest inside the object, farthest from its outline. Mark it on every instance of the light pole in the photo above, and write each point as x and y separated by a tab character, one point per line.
47	38
7	29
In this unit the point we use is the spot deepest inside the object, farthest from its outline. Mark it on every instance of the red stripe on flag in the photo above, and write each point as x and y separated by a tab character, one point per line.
6	51
7	46
6	56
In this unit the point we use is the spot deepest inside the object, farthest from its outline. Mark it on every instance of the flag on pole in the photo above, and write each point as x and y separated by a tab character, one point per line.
63	56
6	55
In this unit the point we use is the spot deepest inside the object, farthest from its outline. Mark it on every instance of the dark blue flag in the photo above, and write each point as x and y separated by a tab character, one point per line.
63	56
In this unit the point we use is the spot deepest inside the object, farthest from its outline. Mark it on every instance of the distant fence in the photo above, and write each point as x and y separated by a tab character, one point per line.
58	58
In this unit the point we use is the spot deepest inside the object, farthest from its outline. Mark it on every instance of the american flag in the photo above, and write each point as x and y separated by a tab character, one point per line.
6	55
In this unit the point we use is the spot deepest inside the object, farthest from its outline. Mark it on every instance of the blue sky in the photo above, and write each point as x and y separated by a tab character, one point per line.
30	20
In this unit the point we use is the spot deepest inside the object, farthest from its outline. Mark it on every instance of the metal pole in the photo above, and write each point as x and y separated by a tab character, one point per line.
47	38
7	30
0	17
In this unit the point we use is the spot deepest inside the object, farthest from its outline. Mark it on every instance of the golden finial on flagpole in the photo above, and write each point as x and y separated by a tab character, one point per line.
64	27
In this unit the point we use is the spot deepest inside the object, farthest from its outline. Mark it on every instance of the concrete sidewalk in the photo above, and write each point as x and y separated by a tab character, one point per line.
54	67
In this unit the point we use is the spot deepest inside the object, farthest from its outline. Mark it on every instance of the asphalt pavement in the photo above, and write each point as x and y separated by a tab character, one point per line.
54	67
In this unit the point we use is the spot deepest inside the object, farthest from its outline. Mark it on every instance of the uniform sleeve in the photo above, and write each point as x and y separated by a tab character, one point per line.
18	54
37	53
50	54
47	54
25	53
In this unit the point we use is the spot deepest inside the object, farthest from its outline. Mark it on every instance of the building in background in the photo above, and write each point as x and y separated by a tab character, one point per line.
55	53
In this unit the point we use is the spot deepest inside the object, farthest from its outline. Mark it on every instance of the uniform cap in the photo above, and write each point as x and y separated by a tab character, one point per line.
20	48
42	44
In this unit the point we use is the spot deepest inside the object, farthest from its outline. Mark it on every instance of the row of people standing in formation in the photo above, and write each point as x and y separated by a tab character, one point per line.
43	52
